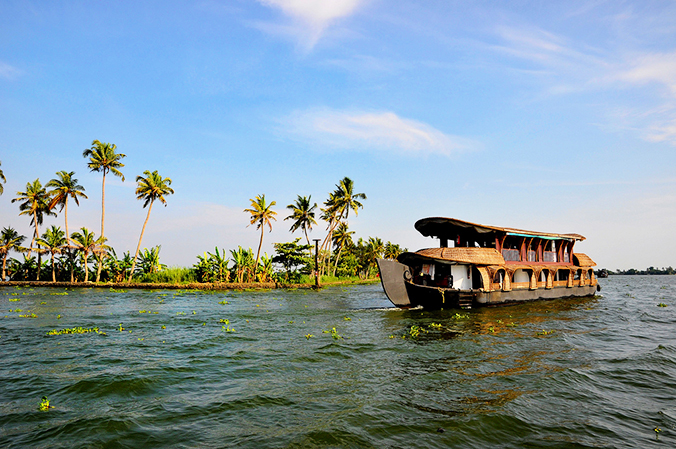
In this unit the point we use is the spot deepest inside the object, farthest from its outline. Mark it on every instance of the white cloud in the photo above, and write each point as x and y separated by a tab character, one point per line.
652	68
572	68
9	72
311	17
358	130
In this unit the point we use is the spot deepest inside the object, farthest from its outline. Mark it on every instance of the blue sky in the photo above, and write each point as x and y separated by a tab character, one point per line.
552	116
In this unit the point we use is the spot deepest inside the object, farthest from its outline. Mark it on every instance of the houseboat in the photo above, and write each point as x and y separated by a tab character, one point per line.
478	265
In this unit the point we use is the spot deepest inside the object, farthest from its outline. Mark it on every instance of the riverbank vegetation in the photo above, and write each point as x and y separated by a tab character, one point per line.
649	270
59	256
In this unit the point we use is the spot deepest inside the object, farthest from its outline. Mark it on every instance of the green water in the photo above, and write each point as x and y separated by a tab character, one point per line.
595	372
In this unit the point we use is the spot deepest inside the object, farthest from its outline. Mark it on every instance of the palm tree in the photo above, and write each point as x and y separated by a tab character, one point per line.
86	242
9	240
152	187
338	207
36	204
346	199
303	214
54	241
104	159
261	215
2	189
341	238
62	188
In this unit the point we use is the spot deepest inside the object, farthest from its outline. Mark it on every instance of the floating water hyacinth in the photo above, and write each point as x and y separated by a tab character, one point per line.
77	330
334	333
308	336
658	305
44	404
544	332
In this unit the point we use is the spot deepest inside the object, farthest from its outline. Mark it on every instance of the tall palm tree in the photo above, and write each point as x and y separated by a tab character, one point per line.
346	199
104	159
9	240
303	214
341	238
36	204
261	215
86	242
152	187
54	242
338	207
62	188
2	189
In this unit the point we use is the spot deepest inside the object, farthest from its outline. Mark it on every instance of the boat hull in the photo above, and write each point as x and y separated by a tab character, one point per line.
448	298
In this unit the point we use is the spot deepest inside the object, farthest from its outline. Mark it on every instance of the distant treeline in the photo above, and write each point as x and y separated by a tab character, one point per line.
649	270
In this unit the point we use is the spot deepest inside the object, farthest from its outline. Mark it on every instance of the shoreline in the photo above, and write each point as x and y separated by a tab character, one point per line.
211	286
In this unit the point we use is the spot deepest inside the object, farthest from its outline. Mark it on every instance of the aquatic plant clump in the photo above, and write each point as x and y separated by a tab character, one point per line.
76	330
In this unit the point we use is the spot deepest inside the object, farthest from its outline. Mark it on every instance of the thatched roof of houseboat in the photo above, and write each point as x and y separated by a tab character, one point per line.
450	227
476	256
583	260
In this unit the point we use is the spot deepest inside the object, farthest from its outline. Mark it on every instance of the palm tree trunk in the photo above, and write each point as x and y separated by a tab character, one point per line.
337	258
86	268
138	247
72	265
68	241
4	265
260	244
53	269
103	217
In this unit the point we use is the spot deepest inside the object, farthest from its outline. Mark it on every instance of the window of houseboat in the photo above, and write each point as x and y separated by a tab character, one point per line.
533	251
511	250
549	254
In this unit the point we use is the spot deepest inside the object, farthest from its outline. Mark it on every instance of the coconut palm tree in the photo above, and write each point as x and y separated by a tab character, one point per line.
341	238
36	204
87	243
261	215
303	215
2	189
345	198
9	240
152	187
54	242
63	187
104	159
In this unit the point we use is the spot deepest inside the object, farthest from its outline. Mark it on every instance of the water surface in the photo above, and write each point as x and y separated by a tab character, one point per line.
592	372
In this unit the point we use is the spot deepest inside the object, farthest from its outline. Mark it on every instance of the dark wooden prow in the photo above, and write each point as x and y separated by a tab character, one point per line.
392	277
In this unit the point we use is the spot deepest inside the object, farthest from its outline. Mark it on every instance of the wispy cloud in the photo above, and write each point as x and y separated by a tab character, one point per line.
310	18
9	72
657	68
573	67
381	131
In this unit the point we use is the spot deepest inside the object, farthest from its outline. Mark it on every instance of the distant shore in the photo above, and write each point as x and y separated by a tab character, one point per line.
188	286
